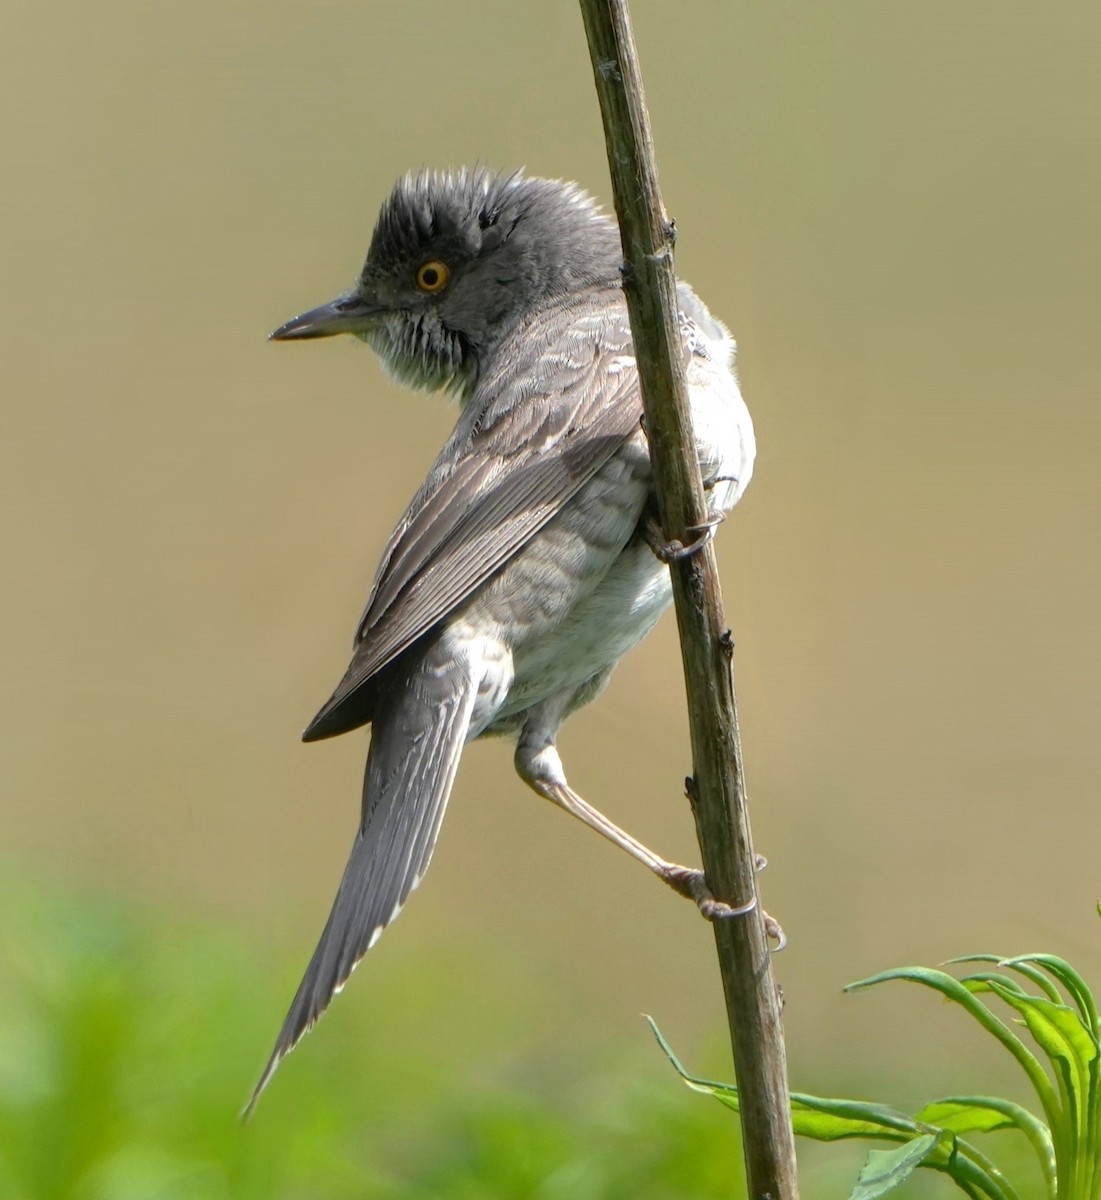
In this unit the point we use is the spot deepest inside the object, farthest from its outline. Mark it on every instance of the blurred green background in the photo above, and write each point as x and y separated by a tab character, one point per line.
895	207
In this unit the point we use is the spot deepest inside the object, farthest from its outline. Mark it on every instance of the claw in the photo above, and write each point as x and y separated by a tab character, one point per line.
675	550
775	931
716	910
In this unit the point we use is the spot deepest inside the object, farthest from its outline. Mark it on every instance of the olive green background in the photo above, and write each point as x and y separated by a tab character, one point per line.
894	207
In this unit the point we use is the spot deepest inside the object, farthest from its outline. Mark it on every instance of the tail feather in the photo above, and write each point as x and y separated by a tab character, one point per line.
416	743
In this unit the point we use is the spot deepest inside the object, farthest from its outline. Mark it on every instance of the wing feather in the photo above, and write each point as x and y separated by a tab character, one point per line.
534	433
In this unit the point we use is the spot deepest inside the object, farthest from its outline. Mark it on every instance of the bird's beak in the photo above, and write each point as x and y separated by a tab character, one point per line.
347	314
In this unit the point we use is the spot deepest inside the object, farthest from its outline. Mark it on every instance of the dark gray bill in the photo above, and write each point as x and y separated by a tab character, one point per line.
348	314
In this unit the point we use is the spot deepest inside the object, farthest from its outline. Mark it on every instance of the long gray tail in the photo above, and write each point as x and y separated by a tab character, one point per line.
416	741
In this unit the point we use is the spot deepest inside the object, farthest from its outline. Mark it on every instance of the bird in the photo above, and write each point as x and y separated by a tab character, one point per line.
530	560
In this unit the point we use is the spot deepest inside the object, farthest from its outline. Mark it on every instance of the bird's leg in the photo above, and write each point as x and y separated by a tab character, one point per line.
540	767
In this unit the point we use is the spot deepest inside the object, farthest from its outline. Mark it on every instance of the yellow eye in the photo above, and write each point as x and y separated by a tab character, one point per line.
433	275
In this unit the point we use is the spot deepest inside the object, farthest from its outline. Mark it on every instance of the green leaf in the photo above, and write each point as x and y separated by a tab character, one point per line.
983	981
954	990
965	1116
812	1116
1075	985
832	1120
941	1151
981	1114
1021	965
884	1170
1073	1050
1060	1032
726	1093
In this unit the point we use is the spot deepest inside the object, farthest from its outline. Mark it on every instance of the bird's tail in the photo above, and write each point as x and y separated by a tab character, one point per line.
416	741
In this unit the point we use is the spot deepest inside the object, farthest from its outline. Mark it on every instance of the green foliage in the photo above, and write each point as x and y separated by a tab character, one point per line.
1059	1014
129	1042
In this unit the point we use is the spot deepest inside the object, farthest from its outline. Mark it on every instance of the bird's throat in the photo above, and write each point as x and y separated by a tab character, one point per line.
418	351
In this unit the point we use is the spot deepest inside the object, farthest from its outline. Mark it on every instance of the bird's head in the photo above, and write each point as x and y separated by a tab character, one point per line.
458	260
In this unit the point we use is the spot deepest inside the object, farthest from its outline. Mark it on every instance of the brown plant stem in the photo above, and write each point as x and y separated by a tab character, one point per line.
716	789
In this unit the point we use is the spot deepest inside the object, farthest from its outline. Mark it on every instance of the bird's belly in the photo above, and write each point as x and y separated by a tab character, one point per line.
567	604
598	630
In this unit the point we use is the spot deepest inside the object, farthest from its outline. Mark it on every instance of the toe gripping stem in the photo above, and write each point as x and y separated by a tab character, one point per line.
674	550
692	885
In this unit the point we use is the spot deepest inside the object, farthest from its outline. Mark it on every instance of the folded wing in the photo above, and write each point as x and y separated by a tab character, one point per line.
533	434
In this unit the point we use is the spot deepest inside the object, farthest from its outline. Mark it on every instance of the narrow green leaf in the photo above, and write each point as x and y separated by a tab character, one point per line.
812	1116
1060	1032
1075	985
884	1170
964	1116
832	1120
1021	966
954	990
970	1165
725	1092
940	1151
1086	1146
981	1114
1075	1138
982	981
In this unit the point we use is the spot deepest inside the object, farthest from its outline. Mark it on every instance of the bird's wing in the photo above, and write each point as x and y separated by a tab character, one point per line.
525	444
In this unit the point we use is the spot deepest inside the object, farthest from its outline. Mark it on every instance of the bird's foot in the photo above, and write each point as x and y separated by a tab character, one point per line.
691	884
674	550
